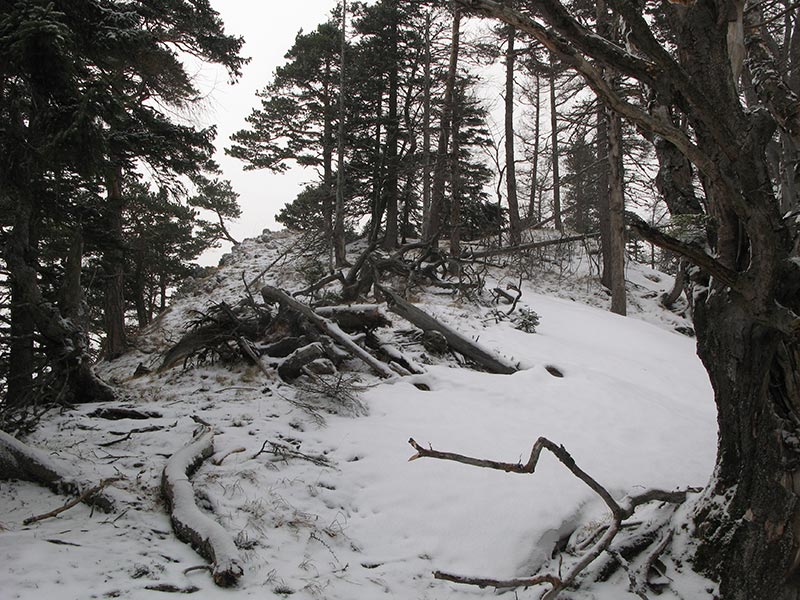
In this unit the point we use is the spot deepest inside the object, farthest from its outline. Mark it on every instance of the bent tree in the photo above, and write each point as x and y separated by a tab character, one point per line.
740	143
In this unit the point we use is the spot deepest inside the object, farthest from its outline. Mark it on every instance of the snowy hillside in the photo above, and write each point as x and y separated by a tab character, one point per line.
334	509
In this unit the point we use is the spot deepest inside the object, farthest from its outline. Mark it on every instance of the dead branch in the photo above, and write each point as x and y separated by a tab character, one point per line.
218	458
82	498
321	283
190	524
457	341
217	334
694	253
247	349
501	293
292	366
117	413
285	452
272	295
526	247
619	511
127	435
498	583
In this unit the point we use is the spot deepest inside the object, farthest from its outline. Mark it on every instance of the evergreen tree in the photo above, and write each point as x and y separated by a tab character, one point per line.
77	80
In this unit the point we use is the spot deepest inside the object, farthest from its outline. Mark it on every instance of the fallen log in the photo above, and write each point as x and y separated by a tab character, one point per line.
190	524
20	461
274	295
356	317
115	413
292	366
457	341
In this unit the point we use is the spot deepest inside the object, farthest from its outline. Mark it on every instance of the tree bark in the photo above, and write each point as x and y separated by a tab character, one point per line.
114	269
21	358
554	146
511	167
392	134
457	342
746	316
616	209
427	81
442	157
535	206
339	247
455	177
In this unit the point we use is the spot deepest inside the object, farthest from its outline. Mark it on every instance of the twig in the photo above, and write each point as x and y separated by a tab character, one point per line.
127	435
284	452
517	288
218	459
82	498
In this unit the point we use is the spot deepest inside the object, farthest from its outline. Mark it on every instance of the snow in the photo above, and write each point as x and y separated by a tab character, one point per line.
634	409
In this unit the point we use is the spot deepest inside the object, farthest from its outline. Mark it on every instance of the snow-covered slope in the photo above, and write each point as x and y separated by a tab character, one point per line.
634	408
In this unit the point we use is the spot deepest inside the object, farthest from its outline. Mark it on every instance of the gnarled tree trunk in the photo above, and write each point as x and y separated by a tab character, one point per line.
747	288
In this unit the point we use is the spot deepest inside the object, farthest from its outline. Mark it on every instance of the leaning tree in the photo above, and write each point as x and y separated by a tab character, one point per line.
720	112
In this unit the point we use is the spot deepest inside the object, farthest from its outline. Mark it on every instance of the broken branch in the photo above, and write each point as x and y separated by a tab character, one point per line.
483	582
82	498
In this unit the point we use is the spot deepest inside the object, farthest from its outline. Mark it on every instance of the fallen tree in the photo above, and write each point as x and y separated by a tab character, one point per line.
273	295
456	341
20	461
190	524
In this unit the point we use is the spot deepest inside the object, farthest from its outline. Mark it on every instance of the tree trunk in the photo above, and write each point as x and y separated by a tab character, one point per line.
554	143
750	521
339	247
511	168
21	359
328	183
426	130
455	178
392	135
114	269
616	209
535	207
72	379
378	206
442	158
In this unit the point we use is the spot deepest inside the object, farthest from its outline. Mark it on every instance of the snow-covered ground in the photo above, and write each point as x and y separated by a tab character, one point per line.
634	408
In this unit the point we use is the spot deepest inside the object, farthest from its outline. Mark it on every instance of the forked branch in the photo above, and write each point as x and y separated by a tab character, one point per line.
619	512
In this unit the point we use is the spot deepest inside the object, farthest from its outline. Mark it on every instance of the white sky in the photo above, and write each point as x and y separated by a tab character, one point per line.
269	28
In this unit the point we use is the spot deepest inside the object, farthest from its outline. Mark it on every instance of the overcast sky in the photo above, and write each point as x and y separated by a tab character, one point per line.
269	29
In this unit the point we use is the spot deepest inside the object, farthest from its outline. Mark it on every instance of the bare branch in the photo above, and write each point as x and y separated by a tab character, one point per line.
529	467
498	583
695	254
74	502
